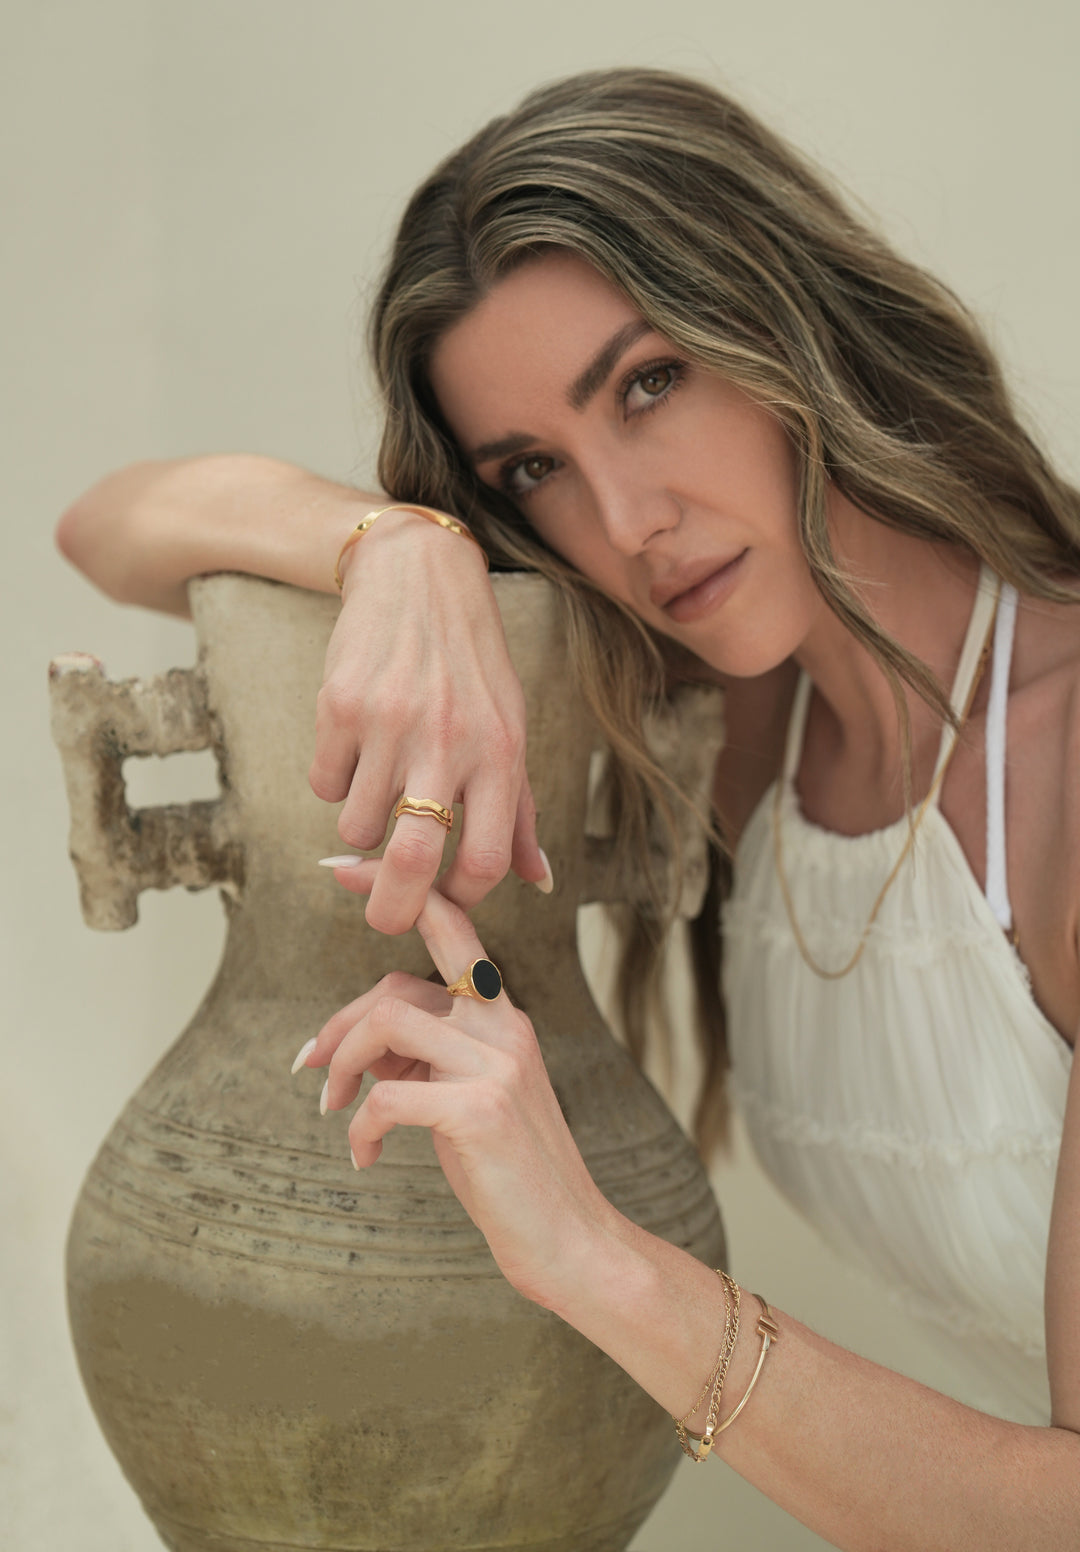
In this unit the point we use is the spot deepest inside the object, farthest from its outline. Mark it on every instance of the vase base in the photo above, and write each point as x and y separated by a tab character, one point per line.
612	1538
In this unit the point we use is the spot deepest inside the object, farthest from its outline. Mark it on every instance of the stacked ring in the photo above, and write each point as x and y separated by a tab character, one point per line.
481	980
426	808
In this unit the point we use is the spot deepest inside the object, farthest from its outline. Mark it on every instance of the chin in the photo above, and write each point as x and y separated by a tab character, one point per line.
756	630
746	658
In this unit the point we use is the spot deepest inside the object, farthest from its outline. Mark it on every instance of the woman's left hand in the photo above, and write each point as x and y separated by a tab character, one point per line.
473	1073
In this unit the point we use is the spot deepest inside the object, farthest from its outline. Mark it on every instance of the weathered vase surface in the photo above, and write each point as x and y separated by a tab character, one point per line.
284	1353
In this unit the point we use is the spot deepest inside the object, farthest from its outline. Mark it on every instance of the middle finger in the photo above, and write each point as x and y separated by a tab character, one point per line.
395	1027
423	994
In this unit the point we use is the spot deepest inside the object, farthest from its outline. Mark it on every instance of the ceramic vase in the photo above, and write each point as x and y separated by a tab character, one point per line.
283	1352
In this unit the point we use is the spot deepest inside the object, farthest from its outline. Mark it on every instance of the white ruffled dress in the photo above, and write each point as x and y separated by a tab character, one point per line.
913	1109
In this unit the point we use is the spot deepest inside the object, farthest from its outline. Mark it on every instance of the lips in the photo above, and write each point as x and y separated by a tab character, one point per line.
677	587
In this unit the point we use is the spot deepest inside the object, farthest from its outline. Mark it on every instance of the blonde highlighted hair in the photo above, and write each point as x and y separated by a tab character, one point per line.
731	245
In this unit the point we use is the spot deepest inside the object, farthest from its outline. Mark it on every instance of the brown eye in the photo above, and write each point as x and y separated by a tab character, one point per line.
525	475
657	381
651	385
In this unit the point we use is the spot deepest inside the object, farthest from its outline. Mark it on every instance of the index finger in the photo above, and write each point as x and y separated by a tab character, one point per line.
448	934
450	937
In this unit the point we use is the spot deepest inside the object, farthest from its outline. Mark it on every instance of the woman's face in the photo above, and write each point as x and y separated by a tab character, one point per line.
664	484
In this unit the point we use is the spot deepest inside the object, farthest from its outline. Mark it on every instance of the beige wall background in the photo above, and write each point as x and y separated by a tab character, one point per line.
196	196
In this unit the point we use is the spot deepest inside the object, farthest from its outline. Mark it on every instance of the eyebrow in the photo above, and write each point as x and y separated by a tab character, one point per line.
505	447
599	368
580	391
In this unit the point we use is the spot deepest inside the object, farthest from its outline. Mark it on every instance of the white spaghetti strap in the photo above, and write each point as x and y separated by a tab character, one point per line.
997	885
982	612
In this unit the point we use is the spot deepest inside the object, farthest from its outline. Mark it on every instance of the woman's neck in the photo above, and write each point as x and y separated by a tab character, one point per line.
919	593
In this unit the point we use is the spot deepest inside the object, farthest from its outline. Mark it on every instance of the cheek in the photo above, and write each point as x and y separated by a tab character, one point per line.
743	457
569	530
762	481
557	512
577	542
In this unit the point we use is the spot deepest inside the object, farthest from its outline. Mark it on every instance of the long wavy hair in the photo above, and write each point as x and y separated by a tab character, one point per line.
731	245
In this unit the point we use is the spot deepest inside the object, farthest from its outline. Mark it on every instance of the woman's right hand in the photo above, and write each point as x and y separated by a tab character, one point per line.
421	698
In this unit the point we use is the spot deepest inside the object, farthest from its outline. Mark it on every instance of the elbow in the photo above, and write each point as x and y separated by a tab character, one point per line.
73	538
68	535
88	536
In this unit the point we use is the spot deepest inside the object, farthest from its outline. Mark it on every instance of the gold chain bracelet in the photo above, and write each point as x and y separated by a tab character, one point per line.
703	1443
698	1446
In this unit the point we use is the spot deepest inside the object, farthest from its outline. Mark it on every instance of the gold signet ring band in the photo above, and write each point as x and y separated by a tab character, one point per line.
426	808
481	980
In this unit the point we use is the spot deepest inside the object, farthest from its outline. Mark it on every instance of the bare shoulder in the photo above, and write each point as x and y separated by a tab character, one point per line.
1043	797
1063	694
1045	689
755	720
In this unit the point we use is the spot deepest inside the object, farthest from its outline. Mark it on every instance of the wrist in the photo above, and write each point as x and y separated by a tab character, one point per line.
596	1259
400	526
655	1309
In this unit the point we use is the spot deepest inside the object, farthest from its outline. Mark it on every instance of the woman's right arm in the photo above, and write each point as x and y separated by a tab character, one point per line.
142	532
418	695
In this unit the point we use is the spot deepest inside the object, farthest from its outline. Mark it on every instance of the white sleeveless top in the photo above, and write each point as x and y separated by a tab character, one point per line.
913	1109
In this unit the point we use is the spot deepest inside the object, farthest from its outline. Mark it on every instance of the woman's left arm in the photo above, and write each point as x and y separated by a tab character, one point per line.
870	1460
865	1457
1063	1271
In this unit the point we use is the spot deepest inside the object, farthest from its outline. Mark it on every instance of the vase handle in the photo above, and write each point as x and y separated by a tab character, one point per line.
119	851
686	741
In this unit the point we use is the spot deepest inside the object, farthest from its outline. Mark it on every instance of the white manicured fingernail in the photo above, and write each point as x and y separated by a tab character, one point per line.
324	1097
547	883
351	861
303	1054
352	1156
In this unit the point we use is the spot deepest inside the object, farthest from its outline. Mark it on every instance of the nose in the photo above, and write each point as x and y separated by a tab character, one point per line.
634	510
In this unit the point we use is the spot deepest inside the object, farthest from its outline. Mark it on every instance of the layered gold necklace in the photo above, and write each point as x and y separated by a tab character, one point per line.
913	827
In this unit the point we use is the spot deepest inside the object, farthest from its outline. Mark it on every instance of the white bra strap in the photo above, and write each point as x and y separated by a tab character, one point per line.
987	592
997	885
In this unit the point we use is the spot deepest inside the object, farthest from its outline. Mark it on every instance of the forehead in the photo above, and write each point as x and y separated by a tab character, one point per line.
524	343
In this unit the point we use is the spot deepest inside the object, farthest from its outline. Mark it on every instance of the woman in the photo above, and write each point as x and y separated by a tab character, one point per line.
631	341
